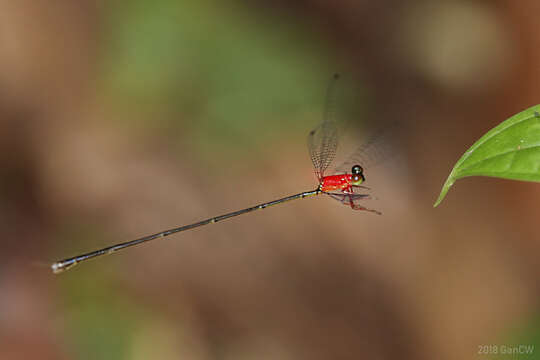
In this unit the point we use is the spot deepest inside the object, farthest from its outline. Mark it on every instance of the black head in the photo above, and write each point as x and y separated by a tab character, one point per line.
357	177
357	169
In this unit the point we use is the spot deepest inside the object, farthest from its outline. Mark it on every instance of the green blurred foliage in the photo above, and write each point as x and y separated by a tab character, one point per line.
526	335
209	73
109	321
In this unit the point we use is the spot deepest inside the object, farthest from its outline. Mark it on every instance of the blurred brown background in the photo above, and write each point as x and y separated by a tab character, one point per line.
119	119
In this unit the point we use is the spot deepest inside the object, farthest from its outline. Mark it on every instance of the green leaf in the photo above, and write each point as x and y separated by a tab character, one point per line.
511	150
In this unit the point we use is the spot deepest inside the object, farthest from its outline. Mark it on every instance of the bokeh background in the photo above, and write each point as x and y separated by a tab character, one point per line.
120	119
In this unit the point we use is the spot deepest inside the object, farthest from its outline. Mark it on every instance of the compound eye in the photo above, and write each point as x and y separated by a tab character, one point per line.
357	169
356	178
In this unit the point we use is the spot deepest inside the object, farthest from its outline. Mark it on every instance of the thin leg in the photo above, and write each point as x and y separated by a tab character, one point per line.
360	207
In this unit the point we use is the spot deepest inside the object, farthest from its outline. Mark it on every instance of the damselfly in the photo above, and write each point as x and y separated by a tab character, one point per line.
347	188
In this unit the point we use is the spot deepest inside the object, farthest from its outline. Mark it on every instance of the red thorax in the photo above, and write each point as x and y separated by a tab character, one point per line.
336	182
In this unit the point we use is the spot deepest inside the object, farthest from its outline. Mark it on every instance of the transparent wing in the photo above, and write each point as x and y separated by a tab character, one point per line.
322	144
347	198
378	148
323	140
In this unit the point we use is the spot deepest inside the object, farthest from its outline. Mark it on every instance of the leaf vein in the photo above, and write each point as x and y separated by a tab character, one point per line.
483	140
515	151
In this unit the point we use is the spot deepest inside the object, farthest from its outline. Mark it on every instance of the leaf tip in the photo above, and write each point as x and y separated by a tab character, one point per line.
449	182
440	198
